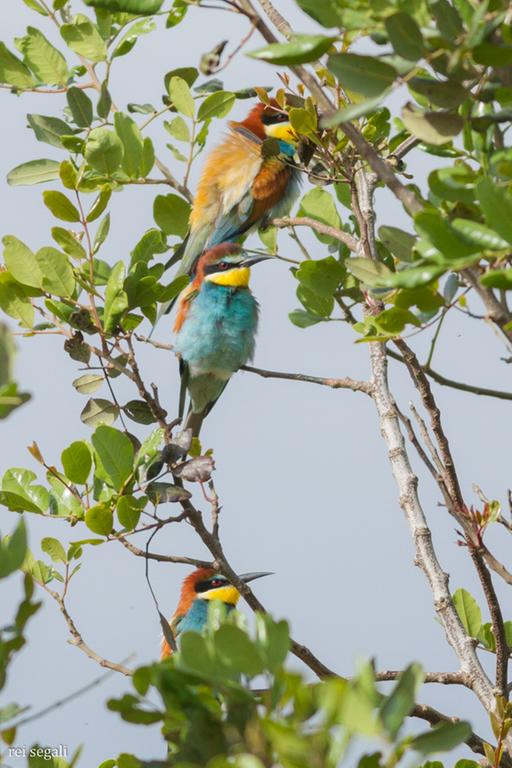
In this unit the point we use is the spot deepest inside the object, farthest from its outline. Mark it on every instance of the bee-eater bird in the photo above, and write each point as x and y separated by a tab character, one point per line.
198	589
216	327
240	188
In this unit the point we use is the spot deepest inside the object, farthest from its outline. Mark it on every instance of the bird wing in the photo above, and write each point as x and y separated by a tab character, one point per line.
223	202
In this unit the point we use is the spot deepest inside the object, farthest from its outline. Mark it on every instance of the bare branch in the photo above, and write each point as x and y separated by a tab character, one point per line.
426	557
78	641
474	389
498	628
346	383
162	558
324	229
443	678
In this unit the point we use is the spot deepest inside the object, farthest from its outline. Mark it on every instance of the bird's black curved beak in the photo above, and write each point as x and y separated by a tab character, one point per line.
255	575
250	260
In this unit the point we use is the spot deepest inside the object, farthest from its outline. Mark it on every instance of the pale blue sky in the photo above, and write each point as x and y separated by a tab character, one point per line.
301	470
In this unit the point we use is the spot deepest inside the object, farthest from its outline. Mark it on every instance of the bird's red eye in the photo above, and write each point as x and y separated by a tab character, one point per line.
216	583
223	265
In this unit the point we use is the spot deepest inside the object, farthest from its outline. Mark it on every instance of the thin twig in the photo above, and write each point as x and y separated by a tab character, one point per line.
318	226
78	641
345	383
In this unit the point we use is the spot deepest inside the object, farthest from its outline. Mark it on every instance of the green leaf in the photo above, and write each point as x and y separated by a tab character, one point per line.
320	205
171	214
99	204
397	241
115	452
432	127
496	205
100	519
101	233
20	481
15	301
21	262
49	129
299	50
469	611
405	36
47	63
498	278
88	383
179	93
439	232
448	20
80	106
104	103
362	74
57	272
16	503
322	277
303	121
129	511
146	7
217	104
148	157
99	411
77	462
353	111
54	548
131	138
13	550
478	234
328	13
128	40
445	94
83	37
303	319
401	699
371	273
315	304
139	411
236	651
68	242
60	206
116	300
178	129
104	150
442	738
13	71
33	172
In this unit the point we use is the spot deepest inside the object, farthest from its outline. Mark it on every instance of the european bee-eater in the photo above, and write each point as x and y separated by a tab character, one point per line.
197	590
240	187
216	327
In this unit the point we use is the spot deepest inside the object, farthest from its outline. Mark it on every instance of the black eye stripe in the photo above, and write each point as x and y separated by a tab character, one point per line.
204	586
270	118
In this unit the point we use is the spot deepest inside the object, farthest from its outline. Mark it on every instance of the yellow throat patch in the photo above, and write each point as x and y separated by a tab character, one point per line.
238	277
282	131
228	594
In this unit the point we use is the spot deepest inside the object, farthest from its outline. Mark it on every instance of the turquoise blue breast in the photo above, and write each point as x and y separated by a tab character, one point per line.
220	328
197	617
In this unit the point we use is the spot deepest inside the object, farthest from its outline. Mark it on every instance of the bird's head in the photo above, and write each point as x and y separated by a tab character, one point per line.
270	121
226	264
208	584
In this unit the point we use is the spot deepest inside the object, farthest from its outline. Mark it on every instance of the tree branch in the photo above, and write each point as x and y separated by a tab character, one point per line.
426	557
474	389
324	229
346	383
78	641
